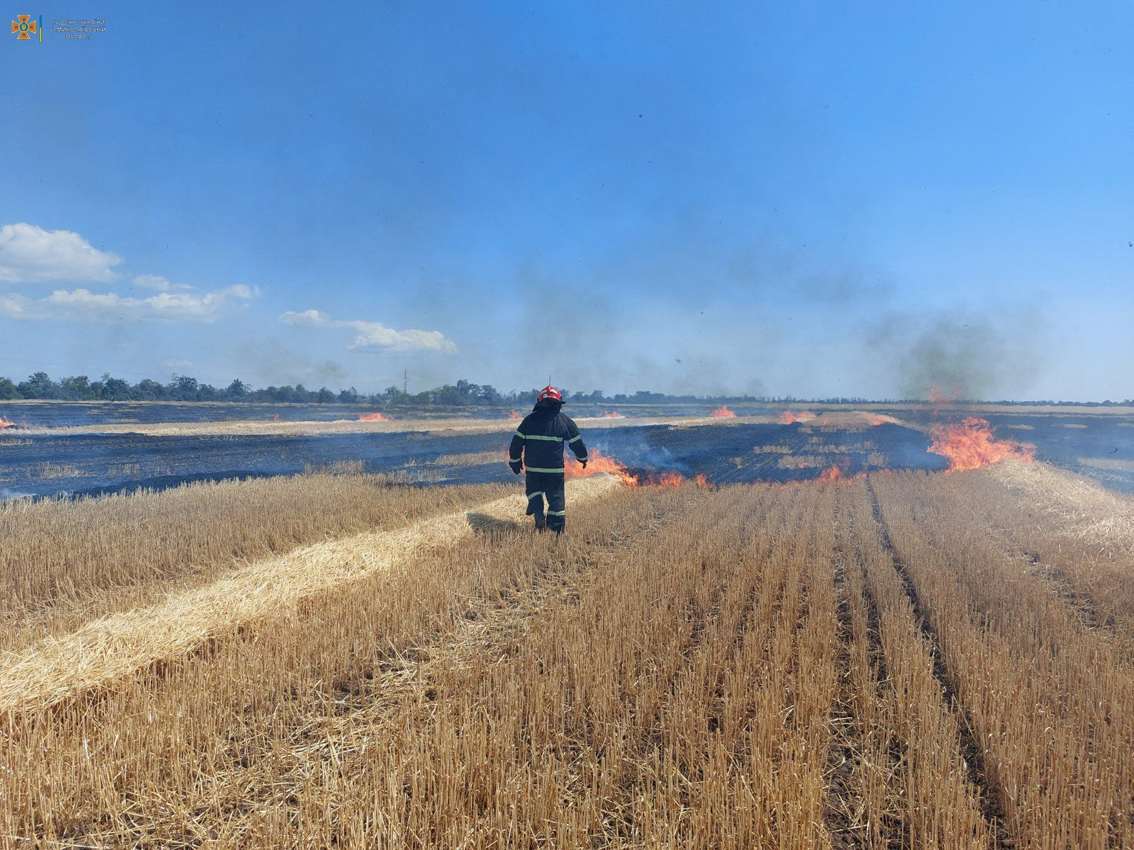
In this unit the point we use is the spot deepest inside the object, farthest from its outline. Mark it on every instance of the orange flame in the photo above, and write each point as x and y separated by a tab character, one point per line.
373	417
6	423
970	445
600	463
515	414
723	412
790	417
673	479
597	464
611	414
831	473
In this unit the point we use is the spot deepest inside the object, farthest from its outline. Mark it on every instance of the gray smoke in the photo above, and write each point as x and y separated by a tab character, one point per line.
633	450
572	329
962	356
667	341
272	362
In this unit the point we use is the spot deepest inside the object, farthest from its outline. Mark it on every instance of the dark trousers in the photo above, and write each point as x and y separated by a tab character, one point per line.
546	485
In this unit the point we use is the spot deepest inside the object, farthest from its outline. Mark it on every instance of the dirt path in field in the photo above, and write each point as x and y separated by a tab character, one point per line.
118	645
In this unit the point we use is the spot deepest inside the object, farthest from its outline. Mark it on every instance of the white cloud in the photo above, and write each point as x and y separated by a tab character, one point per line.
158	283
30	254
373	336
306	318
12	306
84	305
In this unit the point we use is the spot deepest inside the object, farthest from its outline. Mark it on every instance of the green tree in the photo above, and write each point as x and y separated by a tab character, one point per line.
76	388
39	386
114	389
183	388
148	390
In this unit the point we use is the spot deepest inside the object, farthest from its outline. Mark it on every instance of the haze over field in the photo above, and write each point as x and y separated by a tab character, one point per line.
776	199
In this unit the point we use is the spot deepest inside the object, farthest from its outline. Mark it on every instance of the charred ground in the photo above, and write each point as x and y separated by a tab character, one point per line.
783	445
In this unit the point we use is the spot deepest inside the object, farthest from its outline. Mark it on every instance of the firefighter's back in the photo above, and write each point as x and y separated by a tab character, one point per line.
544	433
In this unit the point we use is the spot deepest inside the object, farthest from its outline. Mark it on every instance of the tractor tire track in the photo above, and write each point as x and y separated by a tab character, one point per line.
110	648
844	805
989	793
847	814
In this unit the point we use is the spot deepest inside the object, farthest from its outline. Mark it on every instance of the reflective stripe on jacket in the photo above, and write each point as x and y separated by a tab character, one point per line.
540	437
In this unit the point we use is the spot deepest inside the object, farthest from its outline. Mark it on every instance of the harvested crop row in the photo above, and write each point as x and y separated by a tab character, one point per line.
938	763
742	667
631	695
1048	700
851	818
906	771
63	562
678	697
147	760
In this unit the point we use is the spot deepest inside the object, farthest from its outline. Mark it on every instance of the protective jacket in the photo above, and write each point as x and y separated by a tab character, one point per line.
539	441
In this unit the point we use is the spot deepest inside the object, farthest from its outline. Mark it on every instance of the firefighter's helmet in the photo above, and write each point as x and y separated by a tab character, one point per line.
549	393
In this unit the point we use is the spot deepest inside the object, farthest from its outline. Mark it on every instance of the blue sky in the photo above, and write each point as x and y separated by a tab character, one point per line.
815	199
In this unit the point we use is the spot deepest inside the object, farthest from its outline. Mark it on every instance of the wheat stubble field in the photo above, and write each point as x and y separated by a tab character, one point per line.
903	660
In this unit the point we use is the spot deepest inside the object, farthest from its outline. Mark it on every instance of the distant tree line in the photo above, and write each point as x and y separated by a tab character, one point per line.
41	386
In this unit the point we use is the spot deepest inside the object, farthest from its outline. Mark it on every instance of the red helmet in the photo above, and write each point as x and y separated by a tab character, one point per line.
550	393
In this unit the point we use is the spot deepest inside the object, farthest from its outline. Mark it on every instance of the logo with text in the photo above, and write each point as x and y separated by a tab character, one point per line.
27	28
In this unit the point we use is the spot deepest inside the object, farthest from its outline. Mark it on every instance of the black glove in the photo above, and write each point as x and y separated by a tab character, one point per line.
514	465
584	463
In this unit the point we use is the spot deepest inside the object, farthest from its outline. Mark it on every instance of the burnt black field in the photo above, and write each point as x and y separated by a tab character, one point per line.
47	465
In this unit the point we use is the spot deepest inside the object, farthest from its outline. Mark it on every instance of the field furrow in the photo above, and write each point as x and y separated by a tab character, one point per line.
985	784
1044	696
845	809
917	782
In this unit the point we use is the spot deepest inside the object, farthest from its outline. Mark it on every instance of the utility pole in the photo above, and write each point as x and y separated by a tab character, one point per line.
405	382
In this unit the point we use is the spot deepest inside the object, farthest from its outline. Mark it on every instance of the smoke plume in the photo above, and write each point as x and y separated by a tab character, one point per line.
959	356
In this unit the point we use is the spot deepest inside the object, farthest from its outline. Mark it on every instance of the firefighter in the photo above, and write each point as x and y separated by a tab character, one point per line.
537	446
